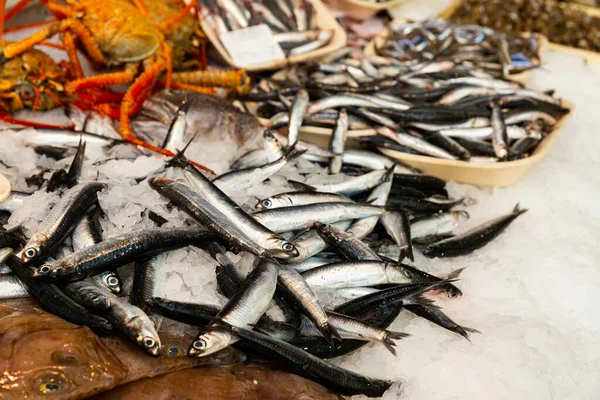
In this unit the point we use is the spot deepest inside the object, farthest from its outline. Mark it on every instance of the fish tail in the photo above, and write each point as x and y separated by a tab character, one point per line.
329	332
389	345
454	274
464	331
396	335
518	210
302	185
293	154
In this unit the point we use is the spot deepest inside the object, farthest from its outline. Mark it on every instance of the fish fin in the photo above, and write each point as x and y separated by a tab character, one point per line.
454	274
518	210
330	333
423	301
389	345
406	252
397	335
464	331
75	168
292	154
302	185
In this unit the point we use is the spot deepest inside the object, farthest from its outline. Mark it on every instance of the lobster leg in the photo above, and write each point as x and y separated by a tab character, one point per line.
199	89
74	25
69	43
113	78
236	79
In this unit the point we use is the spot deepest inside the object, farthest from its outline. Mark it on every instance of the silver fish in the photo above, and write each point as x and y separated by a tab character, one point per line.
288	219
270	151
398	227
297	113
437	224
513	132
310	243
337	142
299	199
349	246
499	134
415	143
242	310
378	197
11	287
350	186
323	38
356	273
60	220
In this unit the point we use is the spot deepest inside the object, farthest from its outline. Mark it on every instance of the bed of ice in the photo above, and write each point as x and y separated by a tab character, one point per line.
531	292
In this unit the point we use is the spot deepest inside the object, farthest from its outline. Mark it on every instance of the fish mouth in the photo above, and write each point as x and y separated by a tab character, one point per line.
193	352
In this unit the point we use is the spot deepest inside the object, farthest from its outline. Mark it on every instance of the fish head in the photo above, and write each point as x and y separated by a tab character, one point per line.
460	215
397	274
46	270
45	357
264	204
112	281
284	249
32	250
147	337
209	343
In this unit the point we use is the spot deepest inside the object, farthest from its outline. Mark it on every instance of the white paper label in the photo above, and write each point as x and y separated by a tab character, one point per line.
254	45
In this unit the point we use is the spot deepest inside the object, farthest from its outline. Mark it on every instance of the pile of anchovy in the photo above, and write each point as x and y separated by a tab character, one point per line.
559	22
451	109
318	237
291	21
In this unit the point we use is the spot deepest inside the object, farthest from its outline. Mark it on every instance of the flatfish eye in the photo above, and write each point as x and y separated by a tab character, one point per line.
50	383
173	350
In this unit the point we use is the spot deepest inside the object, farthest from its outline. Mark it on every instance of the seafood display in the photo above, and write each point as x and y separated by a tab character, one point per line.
450	109
558	21
304	239
293	23
255	225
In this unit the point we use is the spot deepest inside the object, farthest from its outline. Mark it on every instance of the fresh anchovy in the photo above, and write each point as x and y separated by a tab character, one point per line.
297	113
11	287
337	142
350	186
356	273
522	146
242	310
426	183
499	133
60	220
366	159
236	12
432	313
212	208
309	263
483	82
148	282
271	151
229	280
304	146
427	205
415	143
302	363
269	17
474	238
438	224
323	38
14	201
55	301
477	122
296	37
352	328
300	199
349	246
310	243
119	250
517	117
215	198
87	233
397	225
300	293
129	319
62	138
378	197
513	132
343	100
477	147
242	179
377	118
449	144
174	140
188	313
286	219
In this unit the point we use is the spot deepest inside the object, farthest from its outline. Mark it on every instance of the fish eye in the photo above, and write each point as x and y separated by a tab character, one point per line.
112	281
266	203
199	344
173	350
44	269
288	247
49	384
149	342
30	252
269	136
